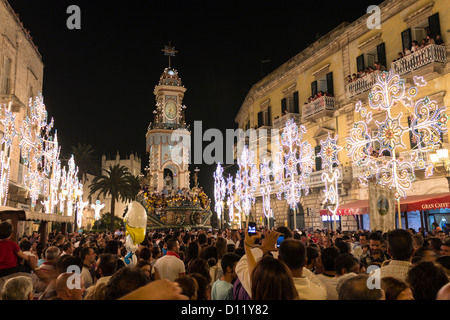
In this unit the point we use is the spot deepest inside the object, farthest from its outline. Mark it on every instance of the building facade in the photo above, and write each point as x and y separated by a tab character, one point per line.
21	78
313	88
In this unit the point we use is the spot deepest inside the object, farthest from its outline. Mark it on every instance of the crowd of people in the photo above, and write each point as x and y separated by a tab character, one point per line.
227	265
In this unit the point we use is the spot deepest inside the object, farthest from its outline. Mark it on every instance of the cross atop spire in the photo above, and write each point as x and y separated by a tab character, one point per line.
169	51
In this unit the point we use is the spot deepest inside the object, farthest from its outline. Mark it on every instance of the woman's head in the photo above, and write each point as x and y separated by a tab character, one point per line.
396	289
199	265
426	278
189	286
272	280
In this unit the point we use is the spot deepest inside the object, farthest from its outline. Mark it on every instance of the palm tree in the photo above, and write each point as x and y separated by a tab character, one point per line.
119	183
85	160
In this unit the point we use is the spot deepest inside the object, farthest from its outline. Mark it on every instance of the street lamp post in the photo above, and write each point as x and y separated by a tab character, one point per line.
442	157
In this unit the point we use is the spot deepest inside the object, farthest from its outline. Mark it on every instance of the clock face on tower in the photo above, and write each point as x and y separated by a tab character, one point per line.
170	110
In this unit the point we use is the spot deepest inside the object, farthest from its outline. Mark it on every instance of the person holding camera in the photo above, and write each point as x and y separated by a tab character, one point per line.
291	253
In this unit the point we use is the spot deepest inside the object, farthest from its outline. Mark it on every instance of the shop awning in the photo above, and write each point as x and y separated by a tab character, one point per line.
426	202
411	203
33	216
351	208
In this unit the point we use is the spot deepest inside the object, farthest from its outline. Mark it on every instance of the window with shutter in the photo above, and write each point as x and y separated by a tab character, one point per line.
407	39
434	25
381	54
330	88
269	117
318	159
296	106
260	119
360	66
313	88
283	105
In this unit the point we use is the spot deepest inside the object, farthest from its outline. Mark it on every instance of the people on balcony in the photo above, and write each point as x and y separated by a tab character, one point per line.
400	55
361	74
439	40
415	46
318	95
379	66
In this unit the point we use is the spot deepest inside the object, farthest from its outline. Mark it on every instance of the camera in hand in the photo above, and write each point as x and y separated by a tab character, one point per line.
251	228
280	240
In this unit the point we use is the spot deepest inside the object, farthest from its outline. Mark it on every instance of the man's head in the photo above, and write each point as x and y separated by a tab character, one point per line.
445	248
88	255
228	264
203	239
70	286
107	264
363	239
444	293
375	242
345	263
18	288
68	247
435	243
173	245
400	245
417	241
328	257
441	235
6	230
303	238
286	231
124	281
326	241
52	253
444	261
356	288
292	253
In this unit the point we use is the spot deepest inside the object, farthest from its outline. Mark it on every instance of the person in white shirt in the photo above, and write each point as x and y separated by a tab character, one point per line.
170	266
293	254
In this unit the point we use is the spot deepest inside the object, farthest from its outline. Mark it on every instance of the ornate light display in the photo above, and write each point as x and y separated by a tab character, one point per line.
265	188
80	207
8	119
427	122
328	152
98	206
219	190
296	159
39	151
230	198
245	182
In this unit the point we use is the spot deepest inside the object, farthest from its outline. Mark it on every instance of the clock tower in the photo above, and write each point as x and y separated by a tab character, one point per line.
168	137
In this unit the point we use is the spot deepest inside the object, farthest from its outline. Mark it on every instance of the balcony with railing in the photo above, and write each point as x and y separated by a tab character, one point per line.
430	54
321	107
280	123
362	85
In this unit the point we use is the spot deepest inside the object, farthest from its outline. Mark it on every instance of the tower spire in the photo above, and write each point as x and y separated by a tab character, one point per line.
169	51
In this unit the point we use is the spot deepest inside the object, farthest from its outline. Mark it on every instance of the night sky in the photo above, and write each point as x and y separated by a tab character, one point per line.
99	81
